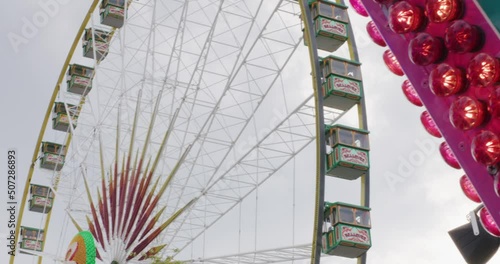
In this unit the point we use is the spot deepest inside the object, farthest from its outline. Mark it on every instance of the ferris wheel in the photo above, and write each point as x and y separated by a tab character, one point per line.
174	119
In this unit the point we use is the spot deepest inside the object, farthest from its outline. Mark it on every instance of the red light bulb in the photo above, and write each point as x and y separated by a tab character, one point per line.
439	11
429	124
488	222
405	17
469	189
411	94
483	70
494	102
448	155
392	63
425	49
374	34
466	113
446	80
461	37
485	148
358	7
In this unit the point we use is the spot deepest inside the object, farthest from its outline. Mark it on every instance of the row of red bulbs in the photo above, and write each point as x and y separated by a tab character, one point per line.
465	113
485	147
438	11
445	80
424	49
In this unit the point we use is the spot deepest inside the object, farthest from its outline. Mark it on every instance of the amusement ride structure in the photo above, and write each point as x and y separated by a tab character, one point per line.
164	125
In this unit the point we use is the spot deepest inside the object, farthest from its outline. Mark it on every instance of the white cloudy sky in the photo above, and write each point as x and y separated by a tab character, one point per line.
410	218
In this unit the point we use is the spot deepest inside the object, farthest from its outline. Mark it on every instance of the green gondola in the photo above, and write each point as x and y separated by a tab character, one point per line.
343	85
79	79
31	238
101	39
41	199
349	148
60	120
52	156
112	13
346	230
331	22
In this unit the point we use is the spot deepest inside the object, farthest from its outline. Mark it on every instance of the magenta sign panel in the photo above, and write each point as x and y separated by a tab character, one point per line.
459	47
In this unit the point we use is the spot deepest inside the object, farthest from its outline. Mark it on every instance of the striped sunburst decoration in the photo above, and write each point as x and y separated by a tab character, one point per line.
122	218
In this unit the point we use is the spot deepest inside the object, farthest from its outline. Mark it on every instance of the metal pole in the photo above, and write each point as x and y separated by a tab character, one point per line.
320	130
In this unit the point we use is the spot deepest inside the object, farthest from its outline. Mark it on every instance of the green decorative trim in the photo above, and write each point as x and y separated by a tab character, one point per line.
329	204
90	248
328	127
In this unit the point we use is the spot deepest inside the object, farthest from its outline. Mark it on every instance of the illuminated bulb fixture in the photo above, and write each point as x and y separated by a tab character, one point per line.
466	113
404	17
461	37
469	189
483	70
411	93
374	34
446	80
429	124
392	63
494	102
488	222
439	11
358	7
485	148
425	49
448	155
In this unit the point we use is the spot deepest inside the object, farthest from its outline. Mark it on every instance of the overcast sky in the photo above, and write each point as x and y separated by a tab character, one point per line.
410	217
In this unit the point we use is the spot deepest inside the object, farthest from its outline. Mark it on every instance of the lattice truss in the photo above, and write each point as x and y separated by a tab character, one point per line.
264	256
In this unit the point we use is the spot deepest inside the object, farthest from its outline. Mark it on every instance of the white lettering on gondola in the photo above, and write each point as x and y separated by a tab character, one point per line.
351	155
333	27
346	86
355	235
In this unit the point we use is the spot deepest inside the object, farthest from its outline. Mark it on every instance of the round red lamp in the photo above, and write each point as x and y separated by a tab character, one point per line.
485	148
448	156
358	7
466	113
439	11
405	17
425	49
374	34
469	189
445	80
392	63
483	70
461	37
429	124
488	222
411	93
